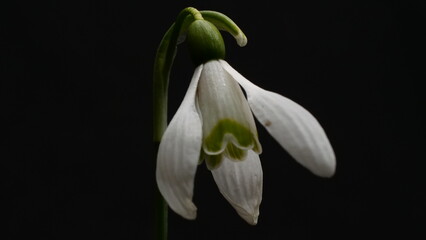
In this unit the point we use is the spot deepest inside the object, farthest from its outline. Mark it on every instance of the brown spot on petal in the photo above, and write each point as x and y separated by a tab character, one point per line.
267	123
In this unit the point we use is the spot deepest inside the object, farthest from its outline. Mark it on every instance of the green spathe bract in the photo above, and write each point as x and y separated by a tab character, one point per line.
205	42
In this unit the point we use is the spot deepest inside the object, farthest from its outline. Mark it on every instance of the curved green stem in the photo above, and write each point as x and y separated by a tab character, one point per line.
223	22
162	66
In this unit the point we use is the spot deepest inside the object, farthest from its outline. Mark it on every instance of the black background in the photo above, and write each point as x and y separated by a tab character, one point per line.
77	159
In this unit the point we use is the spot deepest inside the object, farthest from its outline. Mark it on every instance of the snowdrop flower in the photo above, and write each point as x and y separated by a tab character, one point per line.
215	124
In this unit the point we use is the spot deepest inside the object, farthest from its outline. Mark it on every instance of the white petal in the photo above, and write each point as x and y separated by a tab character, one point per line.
178	154
295	129
221	98
241	184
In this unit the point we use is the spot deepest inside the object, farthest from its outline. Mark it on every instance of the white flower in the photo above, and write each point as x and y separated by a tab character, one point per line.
215	123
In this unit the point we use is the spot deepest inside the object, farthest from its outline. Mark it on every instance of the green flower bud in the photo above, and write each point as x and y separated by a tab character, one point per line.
205	42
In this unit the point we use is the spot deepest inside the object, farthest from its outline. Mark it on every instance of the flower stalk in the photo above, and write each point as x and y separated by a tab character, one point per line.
163	63
161	74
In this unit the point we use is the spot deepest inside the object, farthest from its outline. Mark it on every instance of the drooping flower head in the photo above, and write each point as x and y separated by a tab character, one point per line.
215	124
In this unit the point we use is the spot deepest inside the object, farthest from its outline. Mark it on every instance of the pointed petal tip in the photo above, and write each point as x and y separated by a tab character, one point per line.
189	212
250	218
325	170
191	215
326	174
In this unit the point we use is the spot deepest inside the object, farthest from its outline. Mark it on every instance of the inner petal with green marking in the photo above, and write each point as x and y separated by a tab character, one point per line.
231	152
231	138
213	161
229	129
